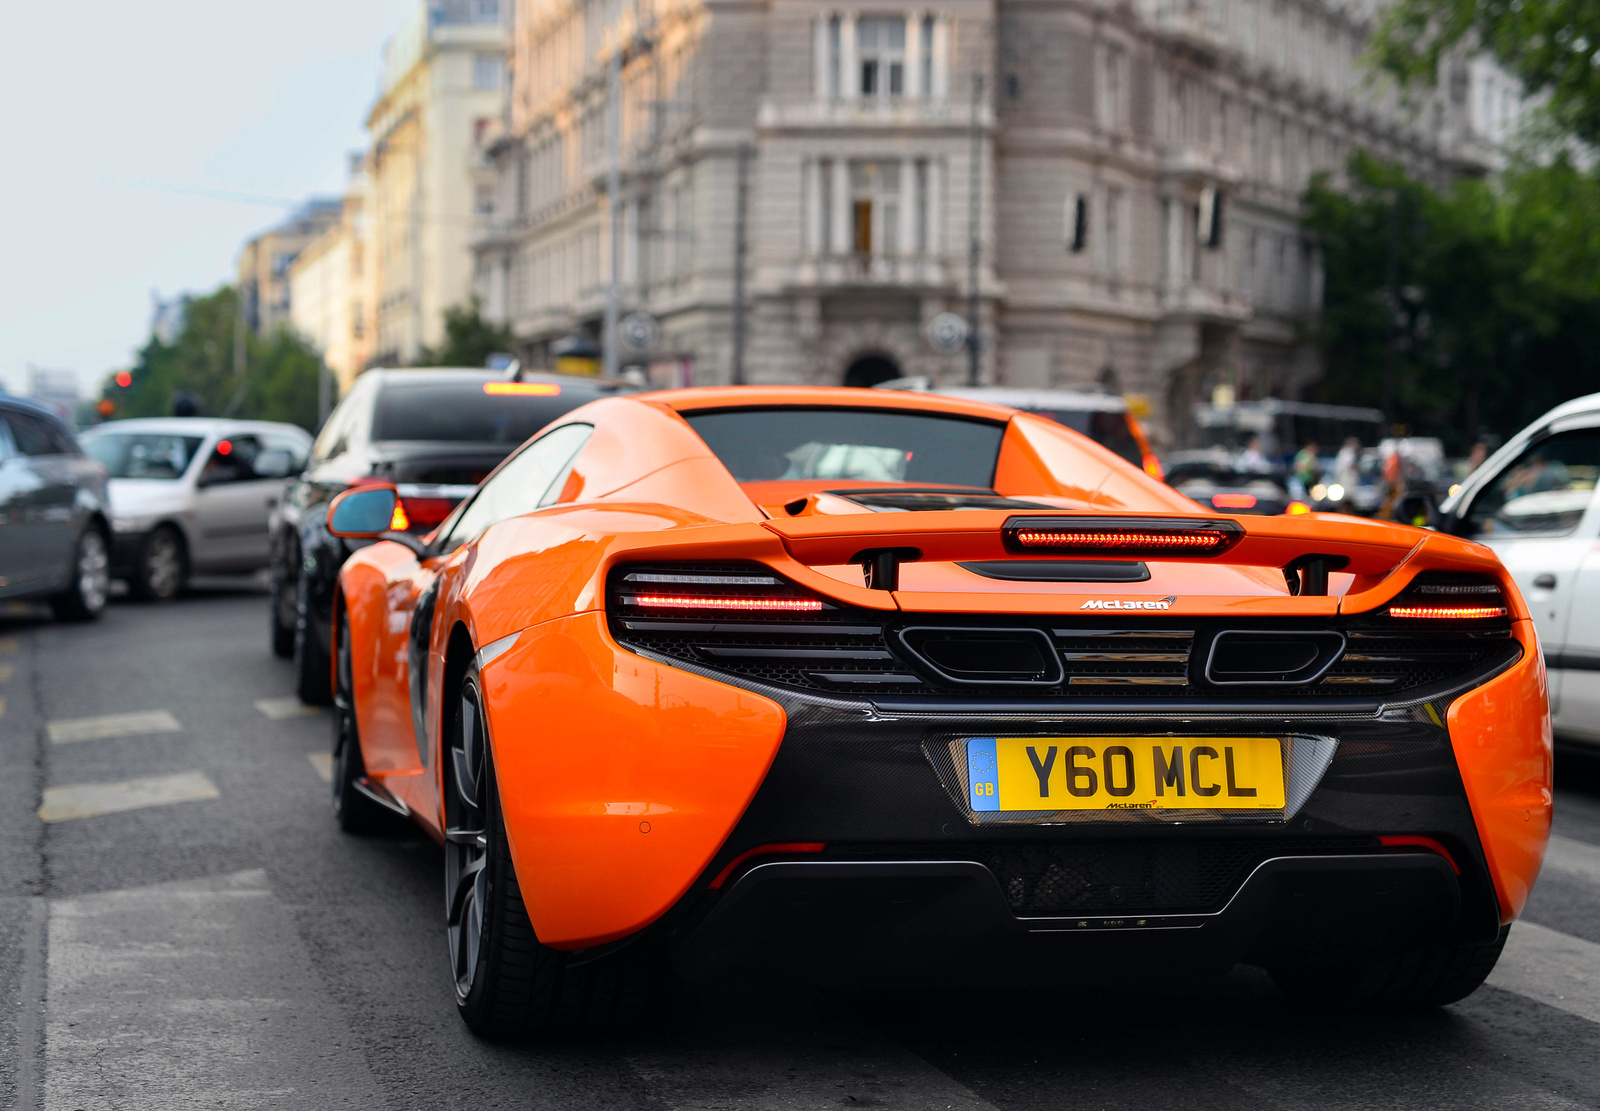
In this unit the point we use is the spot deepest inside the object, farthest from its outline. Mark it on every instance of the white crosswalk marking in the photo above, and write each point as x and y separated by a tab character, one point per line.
6	672
281	709
88	800
1551	967
1577	859
191	994
140	723
323	762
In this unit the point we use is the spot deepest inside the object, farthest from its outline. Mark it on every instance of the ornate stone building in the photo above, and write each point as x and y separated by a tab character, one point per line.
1138	168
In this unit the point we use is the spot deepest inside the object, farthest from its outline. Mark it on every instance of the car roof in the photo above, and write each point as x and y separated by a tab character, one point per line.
441	375
1039	399
828	397
35	408
202	426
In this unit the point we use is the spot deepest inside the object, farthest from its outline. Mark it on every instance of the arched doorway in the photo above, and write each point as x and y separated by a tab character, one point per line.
869	370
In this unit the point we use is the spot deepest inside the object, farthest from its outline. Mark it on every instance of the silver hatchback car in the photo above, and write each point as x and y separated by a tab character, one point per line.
192	494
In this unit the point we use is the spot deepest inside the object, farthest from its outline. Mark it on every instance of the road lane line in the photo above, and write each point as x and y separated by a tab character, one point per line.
88	800
816	1068
6	672
1577	859
198	993
136	724
30	1023
8	645
281	709
1551	967
323	762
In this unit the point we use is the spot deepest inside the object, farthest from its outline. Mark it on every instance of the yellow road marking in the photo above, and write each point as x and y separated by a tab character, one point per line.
87	800
280	709
323	762
137	724
2	707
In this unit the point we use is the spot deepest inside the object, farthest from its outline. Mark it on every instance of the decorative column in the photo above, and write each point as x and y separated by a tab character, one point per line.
935	223
816	240
913	88
820	59
941	58
849	63
842	216
908	207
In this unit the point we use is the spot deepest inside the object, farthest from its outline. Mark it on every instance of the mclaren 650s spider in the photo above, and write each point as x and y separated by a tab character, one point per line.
907	689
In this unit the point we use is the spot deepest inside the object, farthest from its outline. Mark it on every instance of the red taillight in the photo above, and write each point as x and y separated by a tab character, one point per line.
1123	537
765	850
1152	467
1457	613
225	447
1234	501
426	513
724	602
398	521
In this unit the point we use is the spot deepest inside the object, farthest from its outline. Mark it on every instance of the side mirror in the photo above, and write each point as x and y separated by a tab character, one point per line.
274	463
364	513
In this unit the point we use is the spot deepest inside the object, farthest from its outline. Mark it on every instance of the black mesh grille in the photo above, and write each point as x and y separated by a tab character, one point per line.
839	649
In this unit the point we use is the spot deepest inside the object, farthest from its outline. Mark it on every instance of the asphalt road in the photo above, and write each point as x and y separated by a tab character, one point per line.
188	929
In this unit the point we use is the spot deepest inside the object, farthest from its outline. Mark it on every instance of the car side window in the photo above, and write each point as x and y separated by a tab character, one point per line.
1544	491
295	447
35	436
519	486
231	460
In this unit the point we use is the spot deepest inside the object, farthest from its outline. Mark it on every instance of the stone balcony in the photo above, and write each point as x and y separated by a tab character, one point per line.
919	272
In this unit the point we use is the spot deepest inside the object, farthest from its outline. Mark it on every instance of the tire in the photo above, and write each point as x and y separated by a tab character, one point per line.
1419	980
312	681
85	598
508	985
354	811
162	567
281	610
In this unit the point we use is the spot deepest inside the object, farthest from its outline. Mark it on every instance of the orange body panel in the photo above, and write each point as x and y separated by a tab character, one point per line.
620	777
1501	736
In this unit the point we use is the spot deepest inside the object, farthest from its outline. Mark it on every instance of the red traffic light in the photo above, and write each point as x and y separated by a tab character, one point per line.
124	379
105	407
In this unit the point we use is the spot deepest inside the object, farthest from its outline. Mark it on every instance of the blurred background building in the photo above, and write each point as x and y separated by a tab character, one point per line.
1138	174
264	263
331	287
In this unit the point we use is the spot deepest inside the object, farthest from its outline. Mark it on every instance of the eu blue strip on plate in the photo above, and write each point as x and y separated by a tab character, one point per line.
983	774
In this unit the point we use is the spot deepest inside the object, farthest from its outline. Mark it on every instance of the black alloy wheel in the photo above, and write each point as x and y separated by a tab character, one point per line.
312	682
162	566
354	811
85	596
281	606
508	984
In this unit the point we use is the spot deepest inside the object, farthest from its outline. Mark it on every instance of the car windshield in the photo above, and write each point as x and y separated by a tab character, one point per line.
1109	430
462	411
759	445
161	455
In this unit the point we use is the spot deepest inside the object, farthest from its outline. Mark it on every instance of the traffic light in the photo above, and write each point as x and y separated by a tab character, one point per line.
106	407
124	379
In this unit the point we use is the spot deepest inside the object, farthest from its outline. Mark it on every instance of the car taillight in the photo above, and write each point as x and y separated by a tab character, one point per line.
1450	597
398	521
1152	467
426	513
1129	536
688	589
1296	508
1234	501
1456	613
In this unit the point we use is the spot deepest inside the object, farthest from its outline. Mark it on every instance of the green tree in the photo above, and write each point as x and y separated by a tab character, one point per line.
1463	310
469	339
1551	45
280	380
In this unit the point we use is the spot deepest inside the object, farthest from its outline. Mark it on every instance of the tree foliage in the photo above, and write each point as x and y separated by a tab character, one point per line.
280	380
1468	310
1551	45
469	339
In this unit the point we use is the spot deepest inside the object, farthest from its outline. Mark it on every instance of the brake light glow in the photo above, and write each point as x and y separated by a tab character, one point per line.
1126	536
225	447
522	389
1234	501
425	513
726	602
398	521
1458	613
1152	467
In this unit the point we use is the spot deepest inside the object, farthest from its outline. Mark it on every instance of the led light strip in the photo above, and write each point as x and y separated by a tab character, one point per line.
1466	613
1159	541
679	601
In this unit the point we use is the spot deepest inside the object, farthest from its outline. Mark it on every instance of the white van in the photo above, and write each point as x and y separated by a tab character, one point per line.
1534	503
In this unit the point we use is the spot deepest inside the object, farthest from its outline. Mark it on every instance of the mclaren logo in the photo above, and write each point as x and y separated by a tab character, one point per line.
1119	604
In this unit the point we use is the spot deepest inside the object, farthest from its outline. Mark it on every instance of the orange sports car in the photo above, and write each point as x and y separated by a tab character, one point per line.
898	687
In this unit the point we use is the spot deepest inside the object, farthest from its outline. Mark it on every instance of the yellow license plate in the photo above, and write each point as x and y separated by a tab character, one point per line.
1125	773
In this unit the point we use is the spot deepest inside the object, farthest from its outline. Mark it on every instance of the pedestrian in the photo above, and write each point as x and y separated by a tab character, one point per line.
1347	464
1306	470
1253	458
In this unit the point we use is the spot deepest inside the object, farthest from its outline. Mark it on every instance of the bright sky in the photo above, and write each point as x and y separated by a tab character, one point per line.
128	133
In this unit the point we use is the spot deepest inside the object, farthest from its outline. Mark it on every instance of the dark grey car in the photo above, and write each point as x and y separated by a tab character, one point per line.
53	519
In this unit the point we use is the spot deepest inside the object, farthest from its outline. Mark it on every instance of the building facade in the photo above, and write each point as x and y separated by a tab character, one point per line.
1116	187
442	90
265	260
331	286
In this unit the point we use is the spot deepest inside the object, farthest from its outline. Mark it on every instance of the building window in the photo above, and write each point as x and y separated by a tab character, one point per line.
925	33
1113	219
488	71
486	11
882	44
875	208
483	202
833	57
1112	82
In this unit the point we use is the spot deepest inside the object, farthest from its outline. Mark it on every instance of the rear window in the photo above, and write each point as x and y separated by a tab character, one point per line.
462	411
759	445
161	455
1109	430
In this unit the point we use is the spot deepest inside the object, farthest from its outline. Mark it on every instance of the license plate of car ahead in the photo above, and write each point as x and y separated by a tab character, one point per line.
1124	773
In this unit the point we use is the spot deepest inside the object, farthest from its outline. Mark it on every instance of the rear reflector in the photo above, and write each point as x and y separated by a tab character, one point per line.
1234	501
1458	613
713	602
1129	536
765	850
522	389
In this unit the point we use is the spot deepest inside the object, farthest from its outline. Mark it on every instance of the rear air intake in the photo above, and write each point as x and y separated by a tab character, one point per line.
1129	537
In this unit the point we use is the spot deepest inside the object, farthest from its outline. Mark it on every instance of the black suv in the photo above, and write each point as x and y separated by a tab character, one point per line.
435	434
